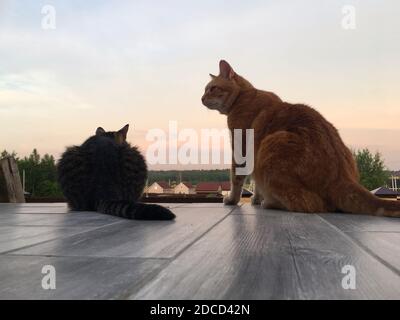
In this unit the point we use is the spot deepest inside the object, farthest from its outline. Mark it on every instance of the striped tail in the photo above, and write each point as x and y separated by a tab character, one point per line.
137	211
353	198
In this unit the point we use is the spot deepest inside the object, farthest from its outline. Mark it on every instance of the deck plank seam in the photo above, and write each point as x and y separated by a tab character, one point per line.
362	247
83	257
62	237
128	293
296	268
203	234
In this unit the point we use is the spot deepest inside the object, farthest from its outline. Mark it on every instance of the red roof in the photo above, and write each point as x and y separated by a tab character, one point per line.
225	185
213	186
163	184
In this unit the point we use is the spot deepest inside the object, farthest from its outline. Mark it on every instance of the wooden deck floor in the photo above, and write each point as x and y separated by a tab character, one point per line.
209	252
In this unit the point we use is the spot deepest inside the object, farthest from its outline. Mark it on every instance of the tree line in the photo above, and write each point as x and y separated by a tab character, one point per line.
41	173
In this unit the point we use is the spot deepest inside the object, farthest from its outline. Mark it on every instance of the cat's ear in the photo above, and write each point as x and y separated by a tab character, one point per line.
100	131
120	135
124	131
212	76
225	70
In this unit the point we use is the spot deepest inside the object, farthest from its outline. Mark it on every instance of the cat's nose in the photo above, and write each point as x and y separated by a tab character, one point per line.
203	99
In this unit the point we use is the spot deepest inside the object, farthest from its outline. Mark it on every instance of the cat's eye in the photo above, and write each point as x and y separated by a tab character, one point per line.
212	88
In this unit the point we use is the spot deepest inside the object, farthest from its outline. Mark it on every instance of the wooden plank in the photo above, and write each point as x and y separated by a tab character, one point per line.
74	219
28	205
15	237
33	209
287	256
204	205
76	278
360	223
10	182
384	245
248	209
130	238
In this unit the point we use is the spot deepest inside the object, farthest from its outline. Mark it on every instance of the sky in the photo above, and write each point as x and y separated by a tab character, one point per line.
109	63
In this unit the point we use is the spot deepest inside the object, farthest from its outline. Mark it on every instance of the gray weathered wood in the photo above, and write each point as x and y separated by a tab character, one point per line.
33	204
384	245
74	219
157	239
211	251
360	223
248	209
76	278
201	205
33	209
286	256
14	237
10	182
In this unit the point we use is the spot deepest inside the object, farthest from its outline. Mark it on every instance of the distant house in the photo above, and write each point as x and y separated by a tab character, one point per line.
225	187
385	193
184	188
221	188
394	180
211	187
160	187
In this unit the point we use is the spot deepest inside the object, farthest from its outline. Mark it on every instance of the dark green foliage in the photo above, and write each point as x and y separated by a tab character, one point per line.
5	154
40	174
373	173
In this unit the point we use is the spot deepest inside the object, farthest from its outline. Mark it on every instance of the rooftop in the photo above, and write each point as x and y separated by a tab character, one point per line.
213	186
210	251
163	184
382	191
187	184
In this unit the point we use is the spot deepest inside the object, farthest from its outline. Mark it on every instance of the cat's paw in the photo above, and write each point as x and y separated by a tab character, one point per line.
229	201
264	204
255	200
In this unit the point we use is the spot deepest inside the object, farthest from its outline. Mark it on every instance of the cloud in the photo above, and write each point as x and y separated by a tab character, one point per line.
36	92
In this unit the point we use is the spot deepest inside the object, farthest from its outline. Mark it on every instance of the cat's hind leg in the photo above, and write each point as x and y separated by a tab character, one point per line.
270	202
295	198
281	164
256	198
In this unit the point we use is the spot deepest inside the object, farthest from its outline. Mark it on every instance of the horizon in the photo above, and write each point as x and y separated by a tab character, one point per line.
108	64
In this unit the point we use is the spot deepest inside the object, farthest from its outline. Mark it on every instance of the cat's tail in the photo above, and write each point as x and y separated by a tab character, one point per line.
137	211
353	198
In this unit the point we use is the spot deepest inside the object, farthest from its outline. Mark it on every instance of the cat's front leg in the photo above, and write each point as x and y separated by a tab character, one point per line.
235	194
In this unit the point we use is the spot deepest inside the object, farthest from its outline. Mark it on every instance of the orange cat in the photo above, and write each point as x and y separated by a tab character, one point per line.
300	162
